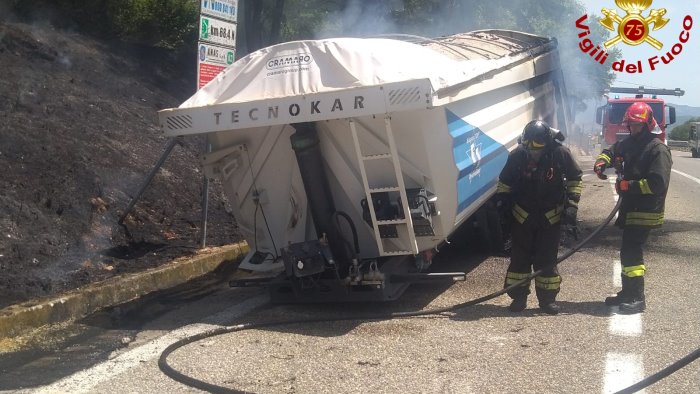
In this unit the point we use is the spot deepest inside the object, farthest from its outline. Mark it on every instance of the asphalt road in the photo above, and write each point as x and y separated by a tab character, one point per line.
588	348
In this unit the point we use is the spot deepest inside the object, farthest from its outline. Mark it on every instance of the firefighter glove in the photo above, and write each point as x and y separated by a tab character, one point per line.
503	201
599	168
619	164
504	205
570	214
622	186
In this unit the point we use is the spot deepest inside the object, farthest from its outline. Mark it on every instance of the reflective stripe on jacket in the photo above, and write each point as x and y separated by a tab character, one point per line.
541	188
647	166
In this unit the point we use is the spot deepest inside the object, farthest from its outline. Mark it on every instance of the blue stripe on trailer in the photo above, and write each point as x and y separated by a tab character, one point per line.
478	157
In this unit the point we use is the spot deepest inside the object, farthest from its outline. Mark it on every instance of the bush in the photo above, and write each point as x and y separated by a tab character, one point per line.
681	132
162	23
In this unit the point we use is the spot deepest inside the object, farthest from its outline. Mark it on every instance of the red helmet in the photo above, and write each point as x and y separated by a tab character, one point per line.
640	113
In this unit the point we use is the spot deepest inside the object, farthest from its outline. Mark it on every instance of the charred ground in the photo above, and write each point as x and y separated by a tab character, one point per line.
78	134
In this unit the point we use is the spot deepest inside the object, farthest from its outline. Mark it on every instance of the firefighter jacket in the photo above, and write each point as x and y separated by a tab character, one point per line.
541	188
646	163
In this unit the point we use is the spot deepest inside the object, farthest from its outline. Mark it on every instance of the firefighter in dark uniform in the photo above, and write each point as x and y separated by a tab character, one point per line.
643	164
540	186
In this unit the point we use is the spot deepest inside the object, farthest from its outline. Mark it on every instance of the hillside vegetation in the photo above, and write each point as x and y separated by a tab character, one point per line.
78	135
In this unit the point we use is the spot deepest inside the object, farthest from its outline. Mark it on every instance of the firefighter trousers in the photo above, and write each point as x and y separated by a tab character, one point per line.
534	245
632	259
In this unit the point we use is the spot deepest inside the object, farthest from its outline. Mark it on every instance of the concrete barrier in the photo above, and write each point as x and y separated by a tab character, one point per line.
76	304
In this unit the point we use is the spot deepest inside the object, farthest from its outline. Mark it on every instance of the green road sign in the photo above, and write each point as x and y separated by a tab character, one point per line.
205	28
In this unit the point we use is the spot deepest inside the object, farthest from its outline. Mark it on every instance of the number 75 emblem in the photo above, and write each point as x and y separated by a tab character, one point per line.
633	28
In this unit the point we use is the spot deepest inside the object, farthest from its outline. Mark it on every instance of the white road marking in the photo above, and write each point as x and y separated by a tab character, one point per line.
625	325
692	178
622	371
86	379
612	182
615	196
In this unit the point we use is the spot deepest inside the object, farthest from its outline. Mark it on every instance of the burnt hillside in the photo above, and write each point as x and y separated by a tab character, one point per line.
78	135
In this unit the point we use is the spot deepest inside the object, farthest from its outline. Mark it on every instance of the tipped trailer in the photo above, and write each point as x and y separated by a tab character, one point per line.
348	162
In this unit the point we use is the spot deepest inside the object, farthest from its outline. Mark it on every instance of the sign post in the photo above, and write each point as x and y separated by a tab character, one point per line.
216	50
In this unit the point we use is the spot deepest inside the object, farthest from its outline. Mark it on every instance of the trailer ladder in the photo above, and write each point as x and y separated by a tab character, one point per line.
406	235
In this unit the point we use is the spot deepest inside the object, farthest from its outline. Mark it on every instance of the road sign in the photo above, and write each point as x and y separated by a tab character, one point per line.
222	9
215	31
212	59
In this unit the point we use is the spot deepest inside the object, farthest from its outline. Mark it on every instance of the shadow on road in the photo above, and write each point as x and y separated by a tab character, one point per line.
489	311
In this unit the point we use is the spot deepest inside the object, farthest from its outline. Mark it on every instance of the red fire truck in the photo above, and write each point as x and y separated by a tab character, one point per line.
611	114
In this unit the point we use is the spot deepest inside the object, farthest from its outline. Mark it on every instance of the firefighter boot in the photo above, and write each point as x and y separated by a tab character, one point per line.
550	309
617	299
518	294
518	304
635	302
546	298
622	295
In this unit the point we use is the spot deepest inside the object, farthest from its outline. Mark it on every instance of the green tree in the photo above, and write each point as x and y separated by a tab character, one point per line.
259	24
160	23
681	132
163	23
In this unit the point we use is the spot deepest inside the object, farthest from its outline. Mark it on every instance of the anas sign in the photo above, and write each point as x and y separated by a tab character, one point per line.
213	59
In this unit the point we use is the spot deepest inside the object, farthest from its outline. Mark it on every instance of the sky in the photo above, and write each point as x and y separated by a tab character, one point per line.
683	71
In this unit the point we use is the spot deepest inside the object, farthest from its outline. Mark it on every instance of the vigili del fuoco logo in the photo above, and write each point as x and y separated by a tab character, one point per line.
634	27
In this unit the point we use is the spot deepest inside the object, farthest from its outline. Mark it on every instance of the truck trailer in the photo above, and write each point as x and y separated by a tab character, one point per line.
349	162
694	139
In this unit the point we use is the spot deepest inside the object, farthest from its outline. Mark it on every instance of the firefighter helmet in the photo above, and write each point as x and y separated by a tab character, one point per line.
640	113
537	134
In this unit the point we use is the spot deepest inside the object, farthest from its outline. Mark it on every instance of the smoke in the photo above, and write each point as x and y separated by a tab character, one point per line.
429	19
360	20
6	12
584	76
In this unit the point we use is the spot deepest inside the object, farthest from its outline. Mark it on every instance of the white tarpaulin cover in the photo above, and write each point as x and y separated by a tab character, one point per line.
308	67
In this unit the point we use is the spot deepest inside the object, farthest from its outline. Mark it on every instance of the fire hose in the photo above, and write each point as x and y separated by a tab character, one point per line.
195	383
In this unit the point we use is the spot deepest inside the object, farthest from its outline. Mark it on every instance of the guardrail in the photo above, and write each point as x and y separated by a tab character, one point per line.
678	145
